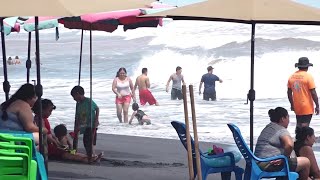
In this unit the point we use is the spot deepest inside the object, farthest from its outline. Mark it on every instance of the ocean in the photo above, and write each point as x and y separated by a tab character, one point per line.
193	45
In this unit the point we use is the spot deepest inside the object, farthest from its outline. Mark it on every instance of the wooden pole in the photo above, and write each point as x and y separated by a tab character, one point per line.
195	132
186	118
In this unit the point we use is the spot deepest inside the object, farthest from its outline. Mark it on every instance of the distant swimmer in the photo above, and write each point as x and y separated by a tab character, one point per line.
17	60
209	81
302	93
176	78
143	83
10	61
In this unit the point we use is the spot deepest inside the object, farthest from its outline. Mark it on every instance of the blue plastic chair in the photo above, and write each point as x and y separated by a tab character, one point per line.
207	161
253	171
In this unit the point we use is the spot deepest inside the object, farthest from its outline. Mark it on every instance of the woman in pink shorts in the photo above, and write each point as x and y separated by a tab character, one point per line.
122	86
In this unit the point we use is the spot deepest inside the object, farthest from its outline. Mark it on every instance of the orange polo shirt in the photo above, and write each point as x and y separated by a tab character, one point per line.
301	83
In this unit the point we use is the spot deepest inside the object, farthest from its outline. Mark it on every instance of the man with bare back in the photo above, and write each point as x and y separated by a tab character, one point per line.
143	83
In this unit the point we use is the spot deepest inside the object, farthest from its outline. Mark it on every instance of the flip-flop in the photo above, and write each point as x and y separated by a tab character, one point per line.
97	158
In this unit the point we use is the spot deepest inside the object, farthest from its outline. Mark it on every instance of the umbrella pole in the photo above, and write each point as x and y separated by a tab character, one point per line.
6	85
91	128
252	93
195	132
39	92
80	62
28	62
186	118
76	133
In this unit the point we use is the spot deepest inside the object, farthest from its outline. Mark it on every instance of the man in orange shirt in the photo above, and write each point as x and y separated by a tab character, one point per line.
302	93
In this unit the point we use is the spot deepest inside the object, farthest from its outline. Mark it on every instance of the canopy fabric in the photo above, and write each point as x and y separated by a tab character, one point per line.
246	11
66	8
8	29
44	23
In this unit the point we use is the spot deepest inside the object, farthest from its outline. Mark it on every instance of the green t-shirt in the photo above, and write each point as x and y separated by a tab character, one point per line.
83	114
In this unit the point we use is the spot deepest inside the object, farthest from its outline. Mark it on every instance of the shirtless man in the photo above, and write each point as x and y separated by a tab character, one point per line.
143	83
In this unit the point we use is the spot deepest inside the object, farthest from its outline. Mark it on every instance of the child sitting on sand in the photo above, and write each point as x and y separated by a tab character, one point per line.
60	132
139	114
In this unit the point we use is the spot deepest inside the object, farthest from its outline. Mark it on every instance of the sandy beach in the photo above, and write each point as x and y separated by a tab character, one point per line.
134	158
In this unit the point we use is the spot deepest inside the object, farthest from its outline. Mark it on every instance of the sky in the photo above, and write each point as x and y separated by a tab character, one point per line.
315	3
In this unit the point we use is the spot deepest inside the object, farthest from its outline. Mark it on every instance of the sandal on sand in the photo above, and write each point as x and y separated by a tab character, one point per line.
96	158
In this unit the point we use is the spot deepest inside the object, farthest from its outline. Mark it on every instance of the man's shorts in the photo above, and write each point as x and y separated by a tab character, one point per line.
266	166
207	96
176	94
124	99
304	118
146	97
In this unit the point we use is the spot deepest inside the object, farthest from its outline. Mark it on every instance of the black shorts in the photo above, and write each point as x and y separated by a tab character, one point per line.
86	139
176	94
207	96
304	118
266	166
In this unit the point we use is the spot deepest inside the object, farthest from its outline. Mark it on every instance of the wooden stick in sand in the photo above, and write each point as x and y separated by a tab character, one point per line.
186	118
195	132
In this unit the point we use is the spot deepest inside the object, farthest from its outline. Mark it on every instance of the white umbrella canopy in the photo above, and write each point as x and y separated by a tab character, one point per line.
66	7
247	11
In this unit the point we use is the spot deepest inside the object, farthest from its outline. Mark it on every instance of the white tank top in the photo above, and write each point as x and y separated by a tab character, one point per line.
123	87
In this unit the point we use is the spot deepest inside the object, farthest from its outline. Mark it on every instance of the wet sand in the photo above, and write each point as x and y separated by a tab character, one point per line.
134	158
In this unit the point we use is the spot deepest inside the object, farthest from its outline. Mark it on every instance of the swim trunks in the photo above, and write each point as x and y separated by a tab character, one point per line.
146	97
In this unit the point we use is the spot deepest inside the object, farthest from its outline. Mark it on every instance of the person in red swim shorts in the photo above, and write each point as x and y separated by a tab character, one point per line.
143	83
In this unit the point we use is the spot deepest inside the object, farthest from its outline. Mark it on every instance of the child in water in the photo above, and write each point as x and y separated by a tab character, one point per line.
139	114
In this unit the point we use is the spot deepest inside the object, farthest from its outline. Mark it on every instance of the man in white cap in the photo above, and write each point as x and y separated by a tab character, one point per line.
302	93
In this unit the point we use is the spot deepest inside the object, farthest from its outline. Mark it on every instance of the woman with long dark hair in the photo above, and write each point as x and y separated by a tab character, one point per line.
16	113
305	139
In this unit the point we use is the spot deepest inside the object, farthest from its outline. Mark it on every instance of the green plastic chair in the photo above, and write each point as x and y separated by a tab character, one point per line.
10	144
20	166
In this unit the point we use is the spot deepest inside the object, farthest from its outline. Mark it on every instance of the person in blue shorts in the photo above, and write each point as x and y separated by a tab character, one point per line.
209	81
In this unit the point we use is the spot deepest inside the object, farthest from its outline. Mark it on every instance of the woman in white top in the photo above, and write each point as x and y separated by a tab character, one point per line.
122	86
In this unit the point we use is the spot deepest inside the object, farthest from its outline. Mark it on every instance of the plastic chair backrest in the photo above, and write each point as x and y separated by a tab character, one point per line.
242	146
181	131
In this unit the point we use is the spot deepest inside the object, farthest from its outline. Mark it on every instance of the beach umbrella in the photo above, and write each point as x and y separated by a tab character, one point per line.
249	12
65	8
107	21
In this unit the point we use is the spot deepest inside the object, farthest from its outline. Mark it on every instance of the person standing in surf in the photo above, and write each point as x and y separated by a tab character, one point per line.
177	78
302	93
122	86
209	81
143	83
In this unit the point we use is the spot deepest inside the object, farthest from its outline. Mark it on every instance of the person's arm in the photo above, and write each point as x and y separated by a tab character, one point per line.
26	118
287	142
132	116
306	151
168	82
133	94
182	79
135	86
315	99
114	87
200	85
147	82
96	122
289	93
220	80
